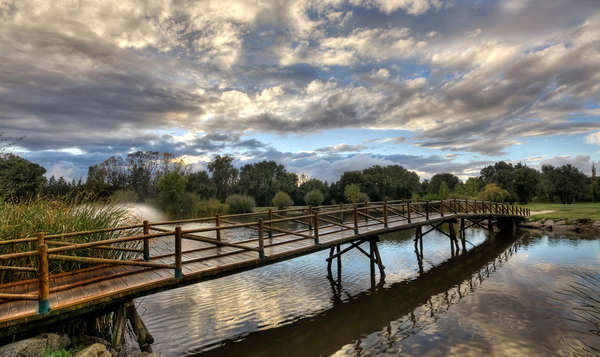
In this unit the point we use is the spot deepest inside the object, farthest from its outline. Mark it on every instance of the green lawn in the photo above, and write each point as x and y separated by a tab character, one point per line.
560	211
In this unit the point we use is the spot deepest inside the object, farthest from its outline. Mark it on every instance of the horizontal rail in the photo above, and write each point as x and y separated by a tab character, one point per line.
140	263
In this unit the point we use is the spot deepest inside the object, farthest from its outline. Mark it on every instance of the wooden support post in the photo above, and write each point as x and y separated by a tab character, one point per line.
442	207
372	261
339	262
408	212
146	231
218	224
329	261
261	243
366	212
310	212
316	227
178	253
41	238
43	280
355	217
119	326
490	226
385	214
270	218
378	256
463	238
427	210
421	240
341	214
140	330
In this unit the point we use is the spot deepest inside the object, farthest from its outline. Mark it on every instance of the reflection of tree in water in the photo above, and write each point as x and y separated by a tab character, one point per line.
584	295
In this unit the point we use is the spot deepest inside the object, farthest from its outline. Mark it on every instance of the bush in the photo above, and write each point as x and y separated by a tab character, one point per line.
492	192
171	194
282	200
314	198
209	207
240	204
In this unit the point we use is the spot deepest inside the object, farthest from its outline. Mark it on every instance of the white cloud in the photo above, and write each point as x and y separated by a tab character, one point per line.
593	138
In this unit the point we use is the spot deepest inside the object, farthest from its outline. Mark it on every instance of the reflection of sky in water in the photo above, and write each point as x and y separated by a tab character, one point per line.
513	312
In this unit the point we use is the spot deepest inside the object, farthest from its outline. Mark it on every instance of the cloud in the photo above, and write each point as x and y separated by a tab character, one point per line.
582	162
593	138
341	148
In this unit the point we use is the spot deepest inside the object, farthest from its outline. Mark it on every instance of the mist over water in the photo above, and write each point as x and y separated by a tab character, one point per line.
502	298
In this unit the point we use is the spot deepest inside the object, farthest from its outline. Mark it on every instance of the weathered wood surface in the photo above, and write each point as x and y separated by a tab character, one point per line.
84	291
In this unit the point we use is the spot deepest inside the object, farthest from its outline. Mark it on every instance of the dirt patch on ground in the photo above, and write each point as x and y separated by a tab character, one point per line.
541	212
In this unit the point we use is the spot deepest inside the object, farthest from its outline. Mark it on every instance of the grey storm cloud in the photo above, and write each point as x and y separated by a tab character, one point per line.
107	82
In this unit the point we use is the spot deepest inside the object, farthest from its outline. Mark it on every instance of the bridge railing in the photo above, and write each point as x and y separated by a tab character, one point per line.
313	223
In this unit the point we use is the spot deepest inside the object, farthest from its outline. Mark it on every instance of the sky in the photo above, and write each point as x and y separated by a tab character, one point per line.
322	86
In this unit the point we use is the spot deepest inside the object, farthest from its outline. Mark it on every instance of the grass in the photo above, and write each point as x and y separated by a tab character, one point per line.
567	212
26	219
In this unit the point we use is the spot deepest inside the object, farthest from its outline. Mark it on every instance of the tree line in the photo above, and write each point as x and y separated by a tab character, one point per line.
168	181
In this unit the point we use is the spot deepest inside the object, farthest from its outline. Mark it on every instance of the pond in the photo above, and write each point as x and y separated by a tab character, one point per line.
507	295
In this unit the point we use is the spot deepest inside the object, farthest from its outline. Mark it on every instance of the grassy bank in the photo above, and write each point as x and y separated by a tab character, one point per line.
567	212
26	219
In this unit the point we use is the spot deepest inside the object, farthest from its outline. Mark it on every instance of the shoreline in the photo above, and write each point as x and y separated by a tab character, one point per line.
581	225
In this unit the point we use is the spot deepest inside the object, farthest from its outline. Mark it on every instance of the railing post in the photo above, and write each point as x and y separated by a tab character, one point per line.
310	219
270	219
146	240
366	212
355	217
218	224
341	213
41	236
316	224
442	207
408	212
178	253
427	210
261	243
385	214
43	279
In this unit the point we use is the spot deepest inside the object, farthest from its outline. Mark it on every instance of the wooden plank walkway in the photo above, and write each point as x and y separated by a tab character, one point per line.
98	287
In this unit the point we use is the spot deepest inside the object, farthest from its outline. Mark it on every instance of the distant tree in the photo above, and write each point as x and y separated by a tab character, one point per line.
594	185
201	184
310	185
171	193
436	181
224	175
565	183
353	194
314	198
472	186
525	183
263	179
282	200
444	191
20	178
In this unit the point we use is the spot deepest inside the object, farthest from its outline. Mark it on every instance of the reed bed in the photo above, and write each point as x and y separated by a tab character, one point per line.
26	219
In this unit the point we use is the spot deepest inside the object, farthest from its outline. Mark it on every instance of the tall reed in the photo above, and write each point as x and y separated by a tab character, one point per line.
26	219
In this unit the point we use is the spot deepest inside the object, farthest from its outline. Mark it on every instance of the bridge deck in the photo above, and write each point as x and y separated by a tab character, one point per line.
95	286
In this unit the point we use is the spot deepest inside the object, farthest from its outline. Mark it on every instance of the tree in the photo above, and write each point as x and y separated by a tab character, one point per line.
314	198
444	191
224	175
594	185
282	200
20	178
310	185
171	193
263	179
565	183
353	194
240	204
200	184
436	181
472	186
525	182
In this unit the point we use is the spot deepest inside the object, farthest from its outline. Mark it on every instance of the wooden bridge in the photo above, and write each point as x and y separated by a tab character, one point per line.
150	257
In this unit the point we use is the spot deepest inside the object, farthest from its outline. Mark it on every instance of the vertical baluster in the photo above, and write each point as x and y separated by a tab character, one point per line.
427	210
261	243
43	276
316	225
310	212
270	219
355	217
385	214
442	208
146	231
178	253
408	211
218	224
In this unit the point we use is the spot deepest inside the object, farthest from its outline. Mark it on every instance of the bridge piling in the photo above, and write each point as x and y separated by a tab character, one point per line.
44	280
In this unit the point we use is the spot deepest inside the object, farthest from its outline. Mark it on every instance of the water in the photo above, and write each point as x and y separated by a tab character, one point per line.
506	297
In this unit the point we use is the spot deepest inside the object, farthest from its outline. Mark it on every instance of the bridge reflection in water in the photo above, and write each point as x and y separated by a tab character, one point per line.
394	312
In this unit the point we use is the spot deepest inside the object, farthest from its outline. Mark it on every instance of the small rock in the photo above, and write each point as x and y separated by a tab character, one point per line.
534	225
35	346
565	227
560	223
597	223
549	223
95	350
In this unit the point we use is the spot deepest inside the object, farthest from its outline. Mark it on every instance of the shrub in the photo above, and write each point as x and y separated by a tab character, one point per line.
314	198
240	204
282	200
209	207
493	192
